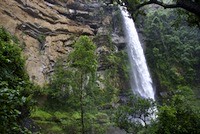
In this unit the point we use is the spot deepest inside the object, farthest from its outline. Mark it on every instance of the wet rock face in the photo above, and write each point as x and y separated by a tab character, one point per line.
48	28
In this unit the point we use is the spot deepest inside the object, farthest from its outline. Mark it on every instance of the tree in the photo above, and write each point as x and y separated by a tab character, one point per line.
77	89
186	8
12	64
172	52
172	56
135	113
180	114
192	6
14	83
83	59
74	82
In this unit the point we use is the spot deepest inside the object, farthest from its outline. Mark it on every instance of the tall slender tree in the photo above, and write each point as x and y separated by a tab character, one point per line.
83	60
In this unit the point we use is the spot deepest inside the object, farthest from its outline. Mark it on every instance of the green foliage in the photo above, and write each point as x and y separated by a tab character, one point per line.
14	98
77	75
134	113
172	53
56	129
180	115
192	19
11	61
77	92
83	57
60	115
41	115
118	71
74	100
10	101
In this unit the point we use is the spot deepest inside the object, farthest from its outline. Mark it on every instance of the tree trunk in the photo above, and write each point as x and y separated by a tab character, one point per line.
82	115
81	106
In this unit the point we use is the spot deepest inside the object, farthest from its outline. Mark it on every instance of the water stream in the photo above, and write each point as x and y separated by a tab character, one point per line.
141	82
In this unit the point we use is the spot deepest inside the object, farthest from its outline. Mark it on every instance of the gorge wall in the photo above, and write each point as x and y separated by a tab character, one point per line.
47	30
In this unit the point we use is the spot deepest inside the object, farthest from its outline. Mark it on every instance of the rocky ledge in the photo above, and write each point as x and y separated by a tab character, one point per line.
48	28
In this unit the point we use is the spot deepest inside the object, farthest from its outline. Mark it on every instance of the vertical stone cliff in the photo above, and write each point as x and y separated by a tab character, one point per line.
48	28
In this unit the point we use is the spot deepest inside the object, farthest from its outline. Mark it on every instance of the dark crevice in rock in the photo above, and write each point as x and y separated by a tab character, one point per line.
36	13
34	30
39	15
56	2
20	2
10	14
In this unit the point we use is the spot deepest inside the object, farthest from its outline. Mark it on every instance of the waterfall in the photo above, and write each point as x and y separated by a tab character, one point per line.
141	82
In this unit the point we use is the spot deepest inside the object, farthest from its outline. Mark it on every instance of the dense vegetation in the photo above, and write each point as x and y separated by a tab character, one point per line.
14	85
173	56
78	99
172	53
81	97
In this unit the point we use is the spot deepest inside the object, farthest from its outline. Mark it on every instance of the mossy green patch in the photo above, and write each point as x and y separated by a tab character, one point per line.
39	114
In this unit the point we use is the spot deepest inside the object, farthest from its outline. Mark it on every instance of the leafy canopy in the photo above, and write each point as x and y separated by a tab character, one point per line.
83	57
14	99
11	62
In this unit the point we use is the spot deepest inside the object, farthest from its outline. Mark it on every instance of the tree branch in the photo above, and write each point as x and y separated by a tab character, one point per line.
188	5
158	3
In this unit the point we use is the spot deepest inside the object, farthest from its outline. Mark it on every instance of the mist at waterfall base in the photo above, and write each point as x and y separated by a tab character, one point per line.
141	82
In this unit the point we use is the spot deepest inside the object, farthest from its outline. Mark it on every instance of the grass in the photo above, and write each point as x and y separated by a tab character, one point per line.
39	114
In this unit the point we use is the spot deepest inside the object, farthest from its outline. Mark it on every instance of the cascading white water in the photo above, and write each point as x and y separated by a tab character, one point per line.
141	81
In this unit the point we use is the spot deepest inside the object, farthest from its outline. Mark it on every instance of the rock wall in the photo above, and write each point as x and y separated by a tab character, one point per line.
48	28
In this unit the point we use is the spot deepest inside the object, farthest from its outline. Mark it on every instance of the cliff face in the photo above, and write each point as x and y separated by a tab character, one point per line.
48	28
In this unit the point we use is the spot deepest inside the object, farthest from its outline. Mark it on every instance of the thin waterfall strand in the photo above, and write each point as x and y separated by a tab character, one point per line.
141	82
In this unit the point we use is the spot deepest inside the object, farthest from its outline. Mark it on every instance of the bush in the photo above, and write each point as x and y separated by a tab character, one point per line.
14	99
